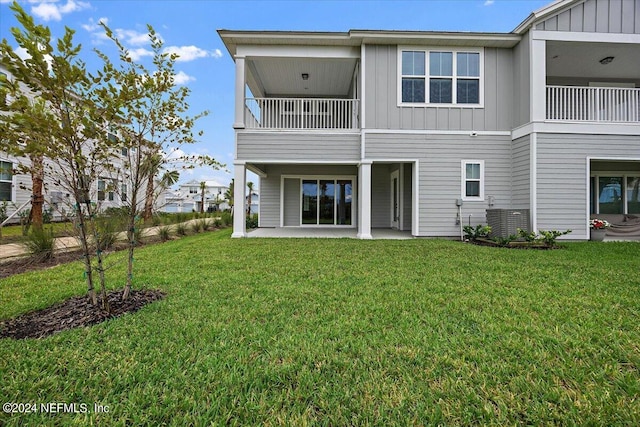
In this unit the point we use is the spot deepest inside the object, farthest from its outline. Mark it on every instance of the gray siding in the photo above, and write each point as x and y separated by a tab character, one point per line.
291	215
382	111
562	198
440	172
298	146
521	170
599	16
380	196
521	83
270	190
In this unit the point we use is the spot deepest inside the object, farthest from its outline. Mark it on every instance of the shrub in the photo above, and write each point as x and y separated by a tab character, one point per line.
196	226
41	243
549	237
504	241
474	233
156	220
528	236
164	233
227	219
217	223
107	228
181	229
252	221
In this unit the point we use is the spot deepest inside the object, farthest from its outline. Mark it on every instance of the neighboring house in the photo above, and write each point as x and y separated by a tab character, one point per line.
254	207
420	130
188	197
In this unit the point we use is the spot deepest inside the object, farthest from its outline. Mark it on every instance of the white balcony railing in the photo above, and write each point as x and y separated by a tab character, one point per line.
593	104
301	113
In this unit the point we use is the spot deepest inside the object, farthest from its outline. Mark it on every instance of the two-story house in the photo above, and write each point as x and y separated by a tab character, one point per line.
421	130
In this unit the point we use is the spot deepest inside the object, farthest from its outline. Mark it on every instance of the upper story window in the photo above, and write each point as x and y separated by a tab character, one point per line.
441	76
6	181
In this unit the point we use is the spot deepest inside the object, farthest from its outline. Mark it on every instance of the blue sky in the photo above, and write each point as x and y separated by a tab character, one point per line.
189	27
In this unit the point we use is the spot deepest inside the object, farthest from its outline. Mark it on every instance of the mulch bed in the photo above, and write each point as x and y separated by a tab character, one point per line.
75	312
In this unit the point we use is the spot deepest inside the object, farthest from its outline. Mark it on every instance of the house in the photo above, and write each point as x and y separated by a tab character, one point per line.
425	131
188	198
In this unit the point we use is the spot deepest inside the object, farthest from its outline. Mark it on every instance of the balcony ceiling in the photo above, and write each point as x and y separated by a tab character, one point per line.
579	59
328	77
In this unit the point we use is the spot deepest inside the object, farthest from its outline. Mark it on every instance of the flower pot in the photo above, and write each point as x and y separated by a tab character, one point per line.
597	234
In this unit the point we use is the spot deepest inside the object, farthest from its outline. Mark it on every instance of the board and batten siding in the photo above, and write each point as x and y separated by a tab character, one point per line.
440	168
383	112
302	146
521	173
597	16
270	190
522	82
562	199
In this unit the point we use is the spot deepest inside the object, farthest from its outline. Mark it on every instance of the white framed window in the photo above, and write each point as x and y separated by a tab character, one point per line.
123	192
6	181
472	180
441	77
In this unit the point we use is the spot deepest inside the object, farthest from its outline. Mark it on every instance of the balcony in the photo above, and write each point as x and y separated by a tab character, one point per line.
301	114
593	104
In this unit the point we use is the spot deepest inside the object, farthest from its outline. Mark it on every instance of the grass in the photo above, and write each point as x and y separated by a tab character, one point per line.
343	332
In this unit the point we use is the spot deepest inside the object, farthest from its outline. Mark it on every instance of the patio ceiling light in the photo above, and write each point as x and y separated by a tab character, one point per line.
607	60
305	76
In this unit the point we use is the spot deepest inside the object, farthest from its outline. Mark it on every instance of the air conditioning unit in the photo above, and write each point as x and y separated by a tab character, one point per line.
505	222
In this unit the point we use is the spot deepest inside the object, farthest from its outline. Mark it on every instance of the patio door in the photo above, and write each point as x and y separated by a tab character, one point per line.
326	202
395	199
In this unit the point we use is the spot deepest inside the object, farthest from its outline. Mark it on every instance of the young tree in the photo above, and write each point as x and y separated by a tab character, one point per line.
153	112
53	112
203	187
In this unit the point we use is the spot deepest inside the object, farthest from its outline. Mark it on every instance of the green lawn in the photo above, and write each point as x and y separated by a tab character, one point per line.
343	332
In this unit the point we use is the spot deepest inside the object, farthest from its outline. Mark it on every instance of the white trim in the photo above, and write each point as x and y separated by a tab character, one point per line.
589	128
401	198
300	131
439	132
282	177
363	100
14	193
533	184
538	84
301	162
463	176
415	199
427	76
573	36
307	51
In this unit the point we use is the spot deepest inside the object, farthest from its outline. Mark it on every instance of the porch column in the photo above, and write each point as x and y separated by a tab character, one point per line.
239	93
538	88
364	198
239	201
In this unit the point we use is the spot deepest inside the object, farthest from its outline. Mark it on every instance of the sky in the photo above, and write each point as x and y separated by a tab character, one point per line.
188	28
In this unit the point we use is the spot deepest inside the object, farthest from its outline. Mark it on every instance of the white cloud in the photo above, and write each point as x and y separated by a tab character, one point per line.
137	54
24	55
488	2
182	78
190	53
53	11
132	37
93	26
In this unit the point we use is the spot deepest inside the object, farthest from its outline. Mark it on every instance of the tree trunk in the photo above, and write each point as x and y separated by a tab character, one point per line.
202	201
37	199
131	235
148	201
86	256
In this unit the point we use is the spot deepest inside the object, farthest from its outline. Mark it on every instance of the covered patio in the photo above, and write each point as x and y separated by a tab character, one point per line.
331	233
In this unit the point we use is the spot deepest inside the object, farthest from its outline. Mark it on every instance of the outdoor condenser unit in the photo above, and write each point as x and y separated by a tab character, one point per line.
505	222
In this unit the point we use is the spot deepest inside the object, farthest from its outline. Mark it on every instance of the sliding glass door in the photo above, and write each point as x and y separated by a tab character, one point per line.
327	201
615	194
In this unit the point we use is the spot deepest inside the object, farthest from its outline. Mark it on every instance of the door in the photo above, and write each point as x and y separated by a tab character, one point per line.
395	199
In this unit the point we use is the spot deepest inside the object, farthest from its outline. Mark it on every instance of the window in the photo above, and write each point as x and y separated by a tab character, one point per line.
441	77
112	134
193	190
613	193
101	189
473	180
6	181
123	192
124	151
326	201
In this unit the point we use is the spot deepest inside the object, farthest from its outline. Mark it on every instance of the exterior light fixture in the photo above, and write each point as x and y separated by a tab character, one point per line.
305	76
606	60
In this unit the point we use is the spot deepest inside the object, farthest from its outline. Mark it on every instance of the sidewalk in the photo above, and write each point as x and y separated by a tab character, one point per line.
14	250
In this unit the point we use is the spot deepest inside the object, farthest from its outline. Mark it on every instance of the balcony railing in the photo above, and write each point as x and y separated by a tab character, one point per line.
593	104
301	113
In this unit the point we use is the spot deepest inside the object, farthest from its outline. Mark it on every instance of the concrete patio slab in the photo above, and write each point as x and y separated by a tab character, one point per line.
326	233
